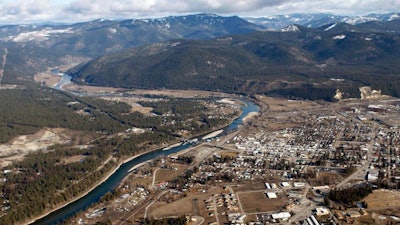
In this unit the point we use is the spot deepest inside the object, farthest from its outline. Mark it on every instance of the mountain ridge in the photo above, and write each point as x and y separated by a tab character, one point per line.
316	20
250	63
213	52
34	48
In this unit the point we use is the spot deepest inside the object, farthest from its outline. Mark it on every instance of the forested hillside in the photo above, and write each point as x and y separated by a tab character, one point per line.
300	62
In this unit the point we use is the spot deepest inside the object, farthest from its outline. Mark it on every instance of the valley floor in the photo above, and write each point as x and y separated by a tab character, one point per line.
281	147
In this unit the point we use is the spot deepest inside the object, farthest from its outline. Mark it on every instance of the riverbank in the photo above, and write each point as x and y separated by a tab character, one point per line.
250	116
76	198
115	176
109	174
212	134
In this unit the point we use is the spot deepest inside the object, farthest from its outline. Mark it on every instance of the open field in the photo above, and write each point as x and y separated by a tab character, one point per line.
279	113
47	78
182	206
326	178
91	89
383	208
384	201
254	202
169	93
284	105
249	187
137	180
133	102
229	154
163	175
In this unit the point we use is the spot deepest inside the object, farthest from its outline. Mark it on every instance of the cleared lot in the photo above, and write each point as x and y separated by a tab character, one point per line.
254	202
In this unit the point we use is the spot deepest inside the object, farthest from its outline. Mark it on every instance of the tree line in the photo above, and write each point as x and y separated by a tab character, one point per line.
349	195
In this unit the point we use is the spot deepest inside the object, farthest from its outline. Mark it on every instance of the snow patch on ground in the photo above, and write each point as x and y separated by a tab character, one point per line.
331	26
339	37
113	30
40	35
394	17
291	28
359	19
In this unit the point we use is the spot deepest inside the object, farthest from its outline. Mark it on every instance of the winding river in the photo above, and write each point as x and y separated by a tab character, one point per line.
65	79
115	179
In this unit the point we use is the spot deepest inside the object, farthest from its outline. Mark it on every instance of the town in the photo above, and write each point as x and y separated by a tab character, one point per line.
281	167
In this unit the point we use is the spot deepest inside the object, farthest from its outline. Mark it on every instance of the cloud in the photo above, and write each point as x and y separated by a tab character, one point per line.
26	11
80	7
343	7
79	10
154	8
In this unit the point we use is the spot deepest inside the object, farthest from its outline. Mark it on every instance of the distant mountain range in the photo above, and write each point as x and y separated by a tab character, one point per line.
286	55
33	48
317	20
102	36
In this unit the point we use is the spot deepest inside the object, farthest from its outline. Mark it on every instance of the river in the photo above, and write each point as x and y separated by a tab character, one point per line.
65	79
115	179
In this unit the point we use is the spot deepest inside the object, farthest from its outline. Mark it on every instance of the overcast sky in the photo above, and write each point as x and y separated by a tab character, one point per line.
32	11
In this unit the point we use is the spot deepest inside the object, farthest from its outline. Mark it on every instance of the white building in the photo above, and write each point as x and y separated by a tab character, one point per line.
271	195
281	215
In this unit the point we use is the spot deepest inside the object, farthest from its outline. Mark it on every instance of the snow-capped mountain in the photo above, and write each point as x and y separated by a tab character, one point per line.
49	44
46	45
138	31
317	20
308	20
372	17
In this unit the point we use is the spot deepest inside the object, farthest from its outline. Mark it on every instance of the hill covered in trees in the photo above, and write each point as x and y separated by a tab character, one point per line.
299	62
35	48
